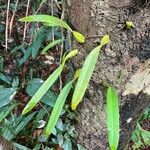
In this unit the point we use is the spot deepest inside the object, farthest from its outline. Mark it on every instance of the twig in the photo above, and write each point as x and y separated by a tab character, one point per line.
52	13
40	6
44	108
25	26
7	24
12	18
62	47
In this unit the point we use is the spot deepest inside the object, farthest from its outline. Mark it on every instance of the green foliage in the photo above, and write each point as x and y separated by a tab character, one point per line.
32	50
112	118
18	73
47	84
50	45
141	137
5	111
57	108
14	125
32	87
7	96
86	73
52	21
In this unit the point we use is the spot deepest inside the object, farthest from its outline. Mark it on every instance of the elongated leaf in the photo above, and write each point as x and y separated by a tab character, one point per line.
70	55
112	118
4	111
43	89
85	76
58	108
7	95
51	20
23	122
14	125
21	147
33	85
86	73
47	84
52	44
35	46
5	78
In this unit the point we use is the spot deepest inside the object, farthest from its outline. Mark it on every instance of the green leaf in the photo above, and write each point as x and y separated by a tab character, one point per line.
52	44
21	147
43	89
47	84
70	55
14	125
80	147
146	137
23	122
5	78
32	87
112	118
51	20
144	134
7	95
78	36
4	111
85	76
77	73
35	46
56	112
67	145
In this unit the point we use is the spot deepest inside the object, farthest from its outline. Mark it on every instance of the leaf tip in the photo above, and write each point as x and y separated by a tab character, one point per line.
73	106
22	19
23	112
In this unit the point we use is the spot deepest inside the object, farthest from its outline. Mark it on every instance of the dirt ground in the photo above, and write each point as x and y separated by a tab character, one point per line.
124	64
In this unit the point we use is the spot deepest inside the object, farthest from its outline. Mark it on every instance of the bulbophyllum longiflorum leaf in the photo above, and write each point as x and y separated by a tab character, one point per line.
47	84
112	118
48	20
86	73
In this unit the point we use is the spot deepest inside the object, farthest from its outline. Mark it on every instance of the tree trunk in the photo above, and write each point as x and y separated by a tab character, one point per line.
5	144
124	64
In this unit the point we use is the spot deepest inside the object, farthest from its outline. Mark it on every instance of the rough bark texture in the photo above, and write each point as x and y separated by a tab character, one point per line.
119	64
5	144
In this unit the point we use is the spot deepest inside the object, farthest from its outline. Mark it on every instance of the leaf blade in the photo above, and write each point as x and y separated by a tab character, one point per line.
47	84
32	87
52	44
85	76
7	95
51	20
58	108
43	89
112	118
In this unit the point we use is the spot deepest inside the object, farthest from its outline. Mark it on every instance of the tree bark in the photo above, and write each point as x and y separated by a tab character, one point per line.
124	64
5	144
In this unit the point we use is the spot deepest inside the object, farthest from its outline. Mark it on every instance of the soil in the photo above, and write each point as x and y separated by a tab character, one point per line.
119	63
